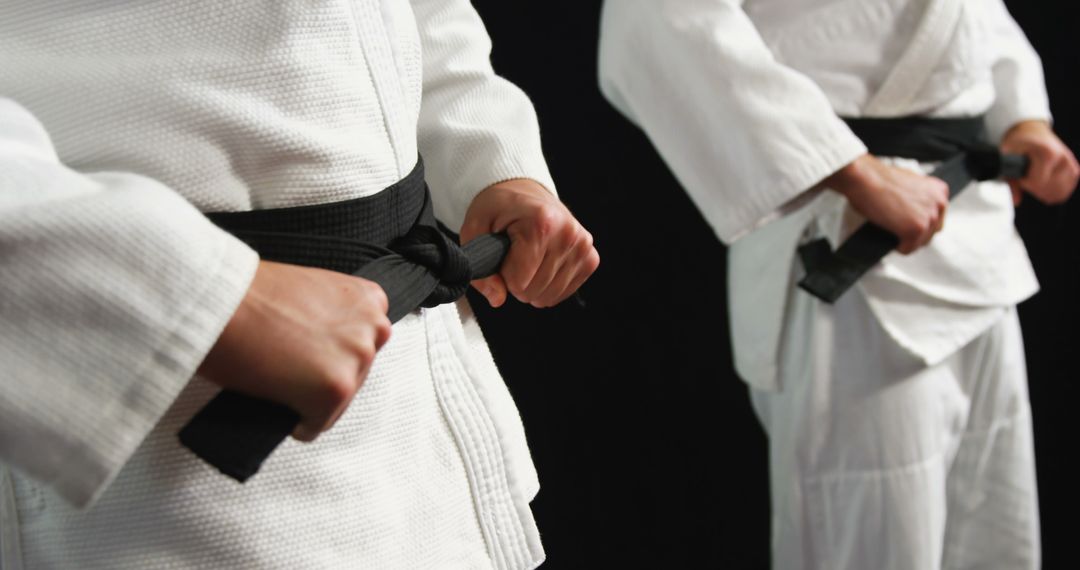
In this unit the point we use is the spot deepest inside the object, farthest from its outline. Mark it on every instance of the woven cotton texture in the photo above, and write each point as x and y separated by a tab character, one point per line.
119	122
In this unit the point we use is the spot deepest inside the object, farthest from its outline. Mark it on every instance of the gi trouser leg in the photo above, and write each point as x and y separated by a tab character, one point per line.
878	461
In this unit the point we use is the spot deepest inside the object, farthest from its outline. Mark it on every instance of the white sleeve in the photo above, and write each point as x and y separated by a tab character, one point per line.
744	134
475	127
1018	75
112	290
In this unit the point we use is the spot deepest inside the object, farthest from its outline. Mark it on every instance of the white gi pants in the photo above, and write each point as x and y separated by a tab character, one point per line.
881	463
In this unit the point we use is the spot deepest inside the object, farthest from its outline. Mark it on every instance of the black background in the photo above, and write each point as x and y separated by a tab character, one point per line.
648	452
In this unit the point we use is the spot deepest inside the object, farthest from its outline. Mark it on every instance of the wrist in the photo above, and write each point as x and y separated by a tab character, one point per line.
854	178
526	185
1028	126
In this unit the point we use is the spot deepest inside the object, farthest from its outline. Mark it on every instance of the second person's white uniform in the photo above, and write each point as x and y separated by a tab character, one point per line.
898	419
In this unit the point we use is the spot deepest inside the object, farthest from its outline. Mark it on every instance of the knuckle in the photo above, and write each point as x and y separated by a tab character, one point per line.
383	325
336	390
525	296
517	284
941	191
584	249
377	296
592	262
365	351
587	239
570	234
916	230
383	331
1042	150
547	220
515	288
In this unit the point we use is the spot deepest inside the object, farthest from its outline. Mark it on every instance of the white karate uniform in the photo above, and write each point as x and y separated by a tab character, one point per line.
743	99
119	122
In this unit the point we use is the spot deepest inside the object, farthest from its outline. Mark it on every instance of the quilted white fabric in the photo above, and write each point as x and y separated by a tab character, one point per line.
119	122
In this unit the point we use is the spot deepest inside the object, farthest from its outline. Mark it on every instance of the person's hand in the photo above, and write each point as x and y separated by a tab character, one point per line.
301	337
551	255
906	203
1053	173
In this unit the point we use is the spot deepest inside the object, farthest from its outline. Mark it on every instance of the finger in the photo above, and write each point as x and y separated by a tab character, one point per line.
348	392
375	294
305	433
493	289
561	250
1074	169
917	238
572	275
1039	172
312	417
927	237
548	271
1073	175
1062	183
526	255
1041	181
1074	165
383	330
938	226
573	264
551	295
472	228
334	395
589	266
1017	192
361	375
937	220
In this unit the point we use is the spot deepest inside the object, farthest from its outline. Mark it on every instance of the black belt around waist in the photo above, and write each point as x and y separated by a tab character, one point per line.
391	238
959	144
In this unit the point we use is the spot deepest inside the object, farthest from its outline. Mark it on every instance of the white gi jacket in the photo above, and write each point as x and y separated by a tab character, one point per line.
119	122
742	99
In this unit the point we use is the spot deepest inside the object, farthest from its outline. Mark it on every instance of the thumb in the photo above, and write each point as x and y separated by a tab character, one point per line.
470	229
493	289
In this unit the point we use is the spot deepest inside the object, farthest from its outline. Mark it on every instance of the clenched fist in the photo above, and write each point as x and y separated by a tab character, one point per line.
551	255
908	204
1053	173
302	337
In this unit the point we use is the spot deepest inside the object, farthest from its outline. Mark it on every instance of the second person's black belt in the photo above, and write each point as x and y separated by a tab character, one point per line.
959	144
391	238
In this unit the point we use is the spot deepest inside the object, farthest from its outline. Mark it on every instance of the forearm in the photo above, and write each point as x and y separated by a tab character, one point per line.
743	133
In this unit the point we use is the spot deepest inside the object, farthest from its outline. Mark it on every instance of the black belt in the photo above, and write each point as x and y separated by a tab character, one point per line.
959	144
391	238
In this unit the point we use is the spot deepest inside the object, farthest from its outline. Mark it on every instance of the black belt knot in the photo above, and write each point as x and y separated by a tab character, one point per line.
432	249
391	238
